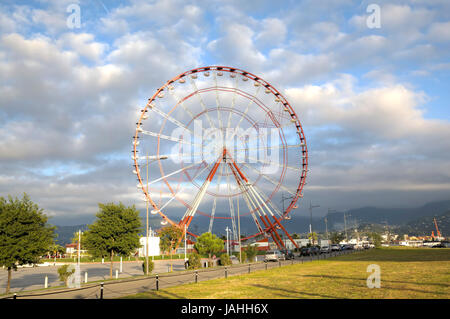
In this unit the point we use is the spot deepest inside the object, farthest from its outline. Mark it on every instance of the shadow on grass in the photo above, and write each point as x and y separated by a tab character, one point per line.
161	294
399	255
382	280
403	289
300	294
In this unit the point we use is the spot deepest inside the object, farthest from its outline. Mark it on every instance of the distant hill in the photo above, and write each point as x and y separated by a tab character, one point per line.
425	225
416	220
65	233
391	216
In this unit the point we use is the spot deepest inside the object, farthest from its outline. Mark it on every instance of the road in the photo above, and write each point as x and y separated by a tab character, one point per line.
33	278
124	287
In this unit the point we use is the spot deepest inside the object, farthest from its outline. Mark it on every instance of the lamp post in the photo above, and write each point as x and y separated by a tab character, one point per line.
326	221
185	244
239	232
146	204
311	206
79	245
228	251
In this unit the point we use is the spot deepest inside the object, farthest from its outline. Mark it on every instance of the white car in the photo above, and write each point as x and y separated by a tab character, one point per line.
325	249
274	255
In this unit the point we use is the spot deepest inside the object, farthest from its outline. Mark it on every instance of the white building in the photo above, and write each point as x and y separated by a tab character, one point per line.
153	246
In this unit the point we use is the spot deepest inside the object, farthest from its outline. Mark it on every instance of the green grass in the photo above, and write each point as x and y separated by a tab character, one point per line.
405	273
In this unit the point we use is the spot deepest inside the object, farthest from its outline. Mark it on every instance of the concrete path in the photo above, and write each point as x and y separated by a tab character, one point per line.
123	287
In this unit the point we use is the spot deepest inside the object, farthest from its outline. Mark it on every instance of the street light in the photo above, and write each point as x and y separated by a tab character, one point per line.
228	250
326	221
311	206
79	245
153	158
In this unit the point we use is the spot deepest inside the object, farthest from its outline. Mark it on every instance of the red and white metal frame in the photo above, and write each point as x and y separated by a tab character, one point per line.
237	172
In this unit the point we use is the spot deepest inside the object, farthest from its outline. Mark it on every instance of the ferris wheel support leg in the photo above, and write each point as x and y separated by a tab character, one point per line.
274	230
285	231
271	233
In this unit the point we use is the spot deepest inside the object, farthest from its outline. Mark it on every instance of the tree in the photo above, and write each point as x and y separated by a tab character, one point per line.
75	238
295	236
376	239
116	231
225	260
169	236
336	237
64	273
194	261
208	243
24	233
313	237
251	252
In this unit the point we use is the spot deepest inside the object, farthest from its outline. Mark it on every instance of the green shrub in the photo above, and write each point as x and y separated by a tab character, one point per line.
244	256
64	273
194	261
225	260
251	252
151	266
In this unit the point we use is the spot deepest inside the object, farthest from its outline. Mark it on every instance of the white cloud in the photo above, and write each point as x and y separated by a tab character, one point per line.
440	31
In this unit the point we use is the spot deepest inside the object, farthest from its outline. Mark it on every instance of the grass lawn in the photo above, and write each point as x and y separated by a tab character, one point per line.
405	273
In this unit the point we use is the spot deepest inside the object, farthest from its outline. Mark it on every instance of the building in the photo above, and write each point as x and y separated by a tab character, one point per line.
71	249
153	246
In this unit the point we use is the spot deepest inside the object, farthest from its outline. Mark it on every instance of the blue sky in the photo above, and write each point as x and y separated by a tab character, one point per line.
373	101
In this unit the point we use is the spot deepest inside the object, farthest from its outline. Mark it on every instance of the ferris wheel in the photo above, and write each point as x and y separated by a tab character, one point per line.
216	145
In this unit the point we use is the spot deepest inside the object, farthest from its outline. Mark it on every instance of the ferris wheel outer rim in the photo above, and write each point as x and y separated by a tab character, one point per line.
274	91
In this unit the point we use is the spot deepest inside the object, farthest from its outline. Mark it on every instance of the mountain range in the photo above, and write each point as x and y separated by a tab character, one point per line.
413	221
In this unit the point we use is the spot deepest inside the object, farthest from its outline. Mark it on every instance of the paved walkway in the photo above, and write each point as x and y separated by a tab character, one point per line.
124	287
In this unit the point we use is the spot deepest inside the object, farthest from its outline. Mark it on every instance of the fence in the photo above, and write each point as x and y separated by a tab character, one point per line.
118	288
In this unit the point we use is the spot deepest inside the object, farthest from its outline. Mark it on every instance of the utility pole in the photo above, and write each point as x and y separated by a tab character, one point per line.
185	244
228	251
146	228
345	228
79	245
239	231
311	206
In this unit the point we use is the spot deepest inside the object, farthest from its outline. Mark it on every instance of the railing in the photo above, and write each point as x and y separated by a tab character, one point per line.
155	282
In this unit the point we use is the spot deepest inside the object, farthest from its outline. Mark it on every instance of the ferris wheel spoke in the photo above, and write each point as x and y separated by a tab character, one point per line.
230	201
271	147
181	103
211	220
183	187
217	101
171	119
192	209
166	137
213	211
233	101
249	206
271	163
269	179
268	200
173	173
194	85
245	114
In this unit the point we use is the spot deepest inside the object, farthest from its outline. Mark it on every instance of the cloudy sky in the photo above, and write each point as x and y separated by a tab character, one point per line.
373	102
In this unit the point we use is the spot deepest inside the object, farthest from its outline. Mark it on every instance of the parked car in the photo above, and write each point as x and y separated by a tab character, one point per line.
305	251
325	249
335	247
315	250
288	254
274	255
